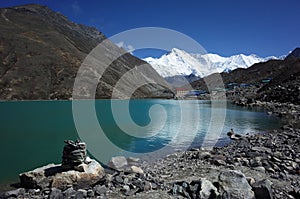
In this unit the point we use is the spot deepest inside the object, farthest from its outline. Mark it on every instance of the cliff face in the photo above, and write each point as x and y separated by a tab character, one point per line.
41	52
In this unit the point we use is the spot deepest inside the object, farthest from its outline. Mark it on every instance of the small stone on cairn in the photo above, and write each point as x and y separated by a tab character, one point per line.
74	154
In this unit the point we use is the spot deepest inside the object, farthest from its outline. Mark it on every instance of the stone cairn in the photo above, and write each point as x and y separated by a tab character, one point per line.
74	154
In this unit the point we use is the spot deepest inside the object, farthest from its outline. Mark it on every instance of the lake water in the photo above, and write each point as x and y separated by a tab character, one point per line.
32	132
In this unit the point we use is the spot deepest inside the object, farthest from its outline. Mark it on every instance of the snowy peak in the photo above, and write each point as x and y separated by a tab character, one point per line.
180	63
177	62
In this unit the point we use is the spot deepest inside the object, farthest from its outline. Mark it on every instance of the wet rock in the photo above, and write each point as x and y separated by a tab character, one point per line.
233	184
118	162
236	137
233	135
262	189
133	160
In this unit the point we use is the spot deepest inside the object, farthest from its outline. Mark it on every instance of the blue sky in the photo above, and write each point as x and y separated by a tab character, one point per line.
270	27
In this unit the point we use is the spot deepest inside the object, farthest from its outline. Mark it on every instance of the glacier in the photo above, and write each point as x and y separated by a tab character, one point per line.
181	63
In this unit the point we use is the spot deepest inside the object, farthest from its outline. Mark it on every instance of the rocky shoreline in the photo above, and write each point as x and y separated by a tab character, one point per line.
257	166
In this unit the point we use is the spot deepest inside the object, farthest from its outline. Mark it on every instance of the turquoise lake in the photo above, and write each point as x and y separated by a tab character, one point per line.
32	132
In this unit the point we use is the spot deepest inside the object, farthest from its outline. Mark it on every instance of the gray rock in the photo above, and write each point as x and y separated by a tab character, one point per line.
56	194
219	162
256	162
118	162
205	154
261	149
131	160
250	180
126	188
100	189
147	186
262	189
233	184
74	154
69	192
79	195
37	177
181	188
90	193
260	169
196	189
14	193
208	190
83	192
119	179
54	176
135	169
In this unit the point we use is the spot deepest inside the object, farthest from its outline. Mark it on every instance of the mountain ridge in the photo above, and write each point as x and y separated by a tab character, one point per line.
277	70
180	63
41	52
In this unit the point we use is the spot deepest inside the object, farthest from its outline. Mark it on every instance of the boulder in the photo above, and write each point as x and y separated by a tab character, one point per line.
196	189
208	190
181	188
14	193
233	184
132	160
118	162
262	189
37	178
54	176
135	169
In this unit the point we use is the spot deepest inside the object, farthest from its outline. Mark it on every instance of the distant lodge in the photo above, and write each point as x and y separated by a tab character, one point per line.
184	92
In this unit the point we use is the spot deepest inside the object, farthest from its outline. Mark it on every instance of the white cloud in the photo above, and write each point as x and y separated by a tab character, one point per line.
129	48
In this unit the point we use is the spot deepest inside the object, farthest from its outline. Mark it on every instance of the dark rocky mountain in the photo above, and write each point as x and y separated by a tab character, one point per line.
285	87
41	52
294	54
180	80
277	70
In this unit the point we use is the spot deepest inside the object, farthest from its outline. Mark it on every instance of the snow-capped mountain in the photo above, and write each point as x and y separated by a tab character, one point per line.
180	63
